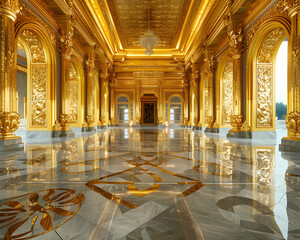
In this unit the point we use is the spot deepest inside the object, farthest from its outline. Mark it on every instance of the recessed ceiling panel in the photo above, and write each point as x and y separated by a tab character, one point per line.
131	19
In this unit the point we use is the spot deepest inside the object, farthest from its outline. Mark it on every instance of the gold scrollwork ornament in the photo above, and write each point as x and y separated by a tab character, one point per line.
292	121
236	122
9	123
65	121
211	121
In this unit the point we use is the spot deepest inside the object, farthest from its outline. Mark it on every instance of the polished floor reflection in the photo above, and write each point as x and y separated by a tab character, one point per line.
150	184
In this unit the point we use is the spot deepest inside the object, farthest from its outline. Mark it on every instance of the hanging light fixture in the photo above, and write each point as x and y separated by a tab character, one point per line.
149	40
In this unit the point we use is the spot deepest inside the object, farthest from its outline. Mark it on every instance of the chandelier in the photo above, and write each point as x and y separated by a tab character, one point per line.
148	40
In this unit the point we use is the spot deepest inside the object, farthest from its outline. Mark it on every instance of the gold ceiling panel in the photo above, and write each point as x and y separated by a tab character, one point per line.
130	19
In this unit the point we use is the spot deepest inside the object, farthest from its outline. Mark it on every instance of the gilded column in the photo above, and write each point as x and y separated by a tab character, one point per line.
211	96
186	99
9	119
89	70
138	102
161	103
65	50
112	86
195	96
103	97
237	48
292	119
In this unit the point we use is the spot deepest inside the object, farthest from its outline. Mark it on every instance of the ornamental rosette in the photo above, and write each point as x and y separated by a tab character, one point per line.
236	122
292	121
9	123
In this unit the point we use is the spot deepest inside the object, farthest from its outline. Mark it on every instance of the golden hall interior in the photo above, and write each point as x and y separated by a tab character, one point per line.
149	119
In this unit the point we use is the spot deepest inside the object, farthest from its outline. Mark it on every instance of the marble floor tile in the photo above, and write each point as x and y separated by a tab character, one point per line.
149	183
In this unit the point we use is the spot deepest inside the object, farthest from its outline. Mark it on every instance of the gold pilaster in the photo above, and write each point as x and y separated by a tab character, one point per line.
9	119
237	49
112	100
186	99
65	50
211	70
89	69
195	96
293	117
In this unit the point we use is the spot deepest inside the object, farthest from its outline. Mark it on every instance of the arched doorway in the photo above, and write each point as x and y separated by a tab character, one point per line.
261	101
149	109
175	112
123	110
36	56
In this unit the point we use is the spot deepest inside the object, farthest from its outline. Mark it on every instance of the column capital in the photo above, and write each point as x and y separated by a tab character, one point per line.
89	64
65	40
10	8
293	6
237	42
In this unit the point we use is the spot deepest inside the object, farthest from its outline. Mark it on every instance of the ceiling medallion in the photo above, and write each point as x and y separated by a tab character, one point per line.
149	40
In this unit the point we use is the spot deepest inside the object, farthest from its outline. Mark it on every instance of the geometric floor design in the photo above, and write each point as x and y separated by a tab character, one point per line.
150	183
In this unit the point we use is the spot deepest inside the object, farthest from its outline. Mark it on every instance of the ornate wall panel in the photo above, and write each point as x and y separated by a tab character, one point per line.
38	79
35	46
73	93
39	95
205	100
264	78
28	14
279	9
227	94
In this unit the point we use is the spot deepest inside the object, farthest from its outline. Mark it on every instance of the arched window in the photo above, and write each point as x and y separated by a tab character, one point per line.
123	110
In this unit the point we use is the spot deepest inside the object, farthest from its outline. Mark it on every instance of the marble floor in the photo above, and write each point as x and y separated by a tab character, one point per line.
150	184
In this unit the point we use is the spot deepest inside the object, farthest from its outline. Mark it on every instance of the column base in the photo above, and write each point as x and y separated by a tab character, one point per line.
88	129
232	134
211	130
58	134
196	128
289	145
11	144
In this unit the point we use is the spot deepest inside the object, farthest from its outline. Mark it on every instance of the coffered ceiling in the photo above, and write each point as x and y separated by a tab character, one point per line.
130	18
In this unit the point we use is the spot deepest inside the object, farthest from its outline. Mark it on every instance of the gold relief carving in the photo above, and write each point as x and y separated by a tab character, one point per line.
292	121
65	121
237	42
264	167
266	50
90	120
36	48
73	94
39	96
227	108
27	13
236	122
9	123
65	42
57	126
11	7
279	9
88	64
206	100
34	214
264	96
211	121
